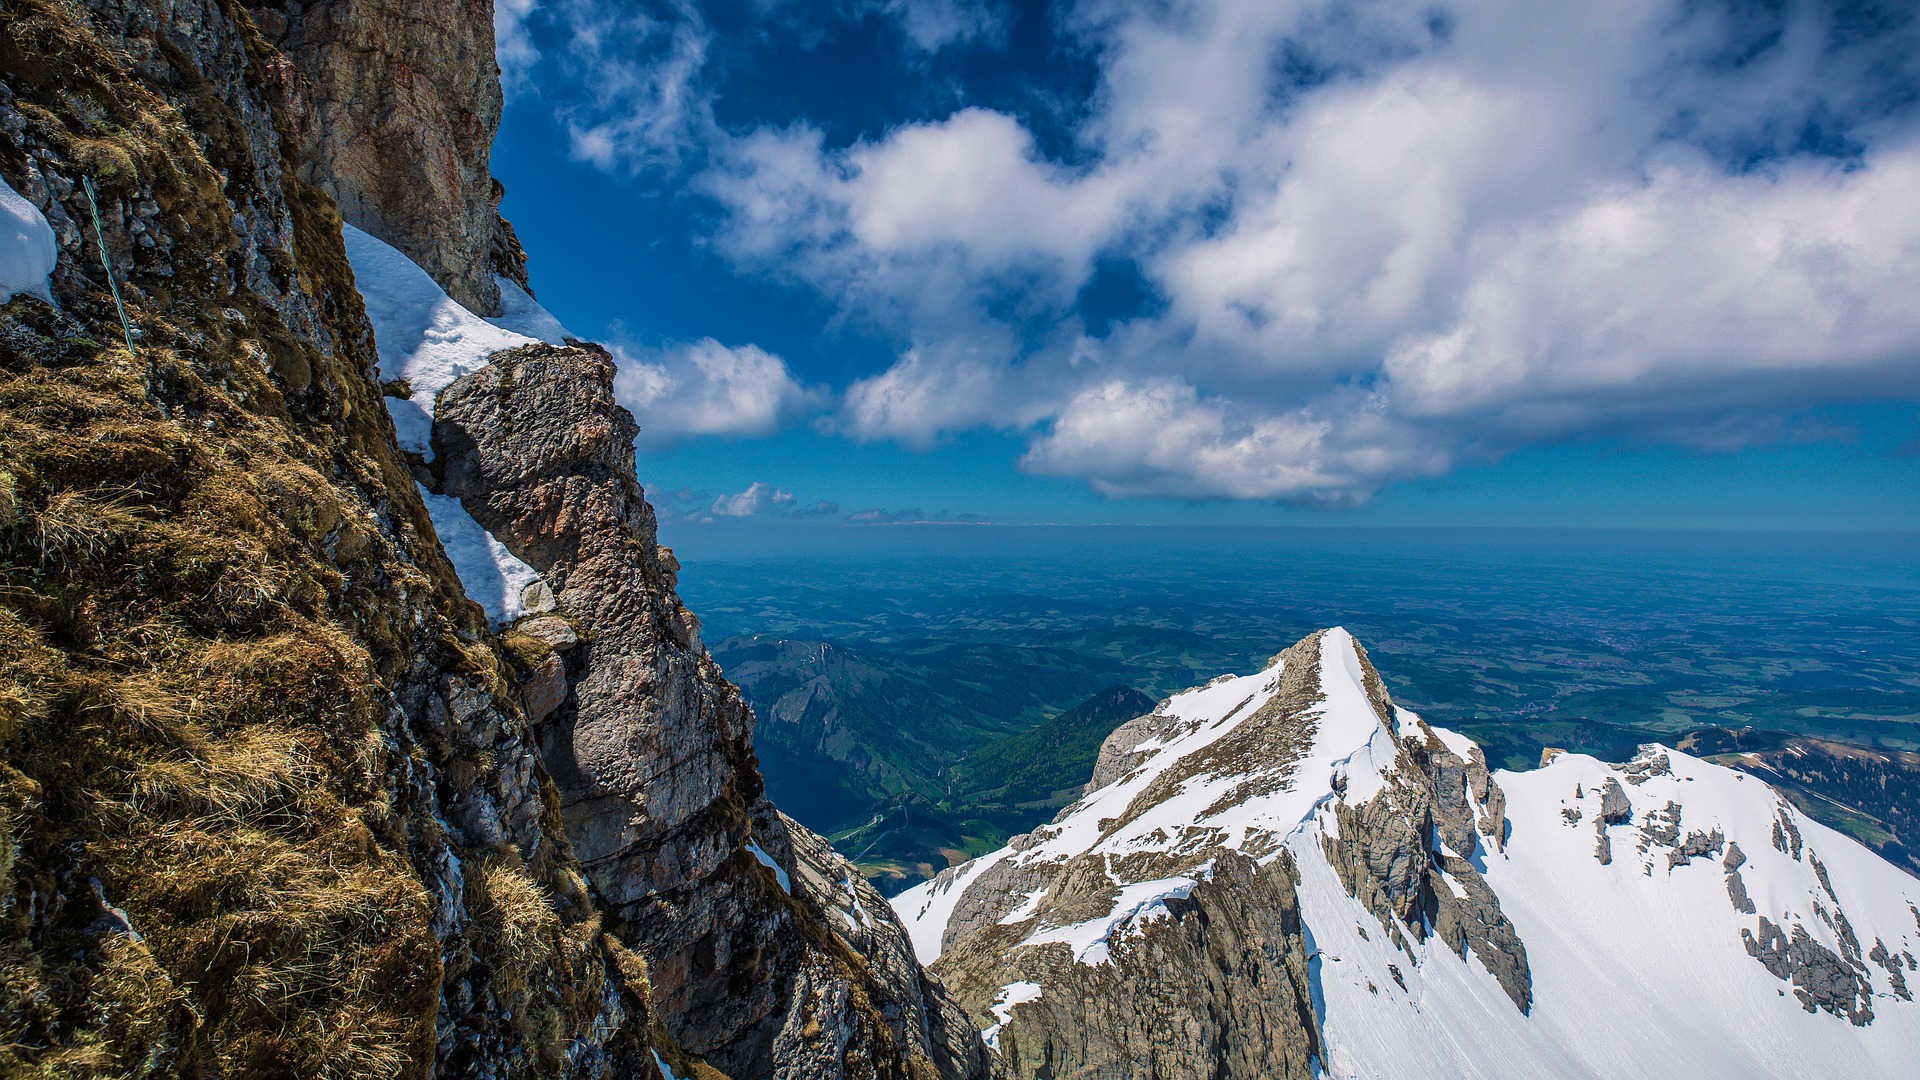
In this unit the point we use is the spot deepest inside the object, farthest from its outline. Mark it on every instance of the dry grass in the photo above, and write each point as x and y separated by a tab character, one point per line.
212	564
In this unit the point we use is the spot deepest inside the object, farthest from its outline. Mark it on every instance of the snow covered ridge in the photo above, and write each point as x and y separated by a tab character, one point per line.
1665	917
428	340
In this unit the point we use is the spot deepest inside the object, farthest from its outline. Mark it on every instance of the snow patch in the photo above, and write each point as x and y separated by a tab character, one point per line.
926	908
28	250
666	1071
1014	993
1090	940
520	313
422	335
491	575
766	860
1026	909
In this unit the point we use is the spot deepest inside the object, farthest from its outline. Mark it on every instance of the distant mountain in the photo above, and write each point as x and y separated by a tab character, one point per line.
1285	875
921	754
844	732
1040	770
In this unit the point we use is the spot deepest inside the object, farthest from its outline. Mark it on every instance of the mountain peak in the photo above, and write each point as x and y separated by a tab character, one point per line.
1297	875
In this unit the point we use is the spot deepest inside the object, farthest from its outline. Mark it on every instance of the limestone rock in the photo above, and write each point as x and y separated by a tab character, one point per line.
394	105
769	956
339	856
545	688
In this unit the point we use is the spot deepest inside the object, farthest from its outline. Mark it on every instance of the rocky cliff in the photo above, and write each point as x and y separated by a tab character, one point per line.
274	798
393	105
1284	874
757	966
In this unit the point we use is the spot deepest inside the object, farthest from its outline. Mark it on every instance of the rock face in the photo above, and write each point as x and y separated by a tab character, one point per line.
769	956
394	105
1154	929
1284	874
270	802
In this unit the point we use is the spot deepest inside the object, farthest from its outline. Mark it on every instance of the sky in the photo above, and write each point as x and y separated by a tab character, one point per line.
1237	262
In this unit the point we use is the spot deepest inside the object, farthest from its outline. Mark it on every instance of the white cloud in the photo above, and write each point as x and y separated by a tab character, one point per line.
707	388
1384	238
513	43
759	497
932	25
642	100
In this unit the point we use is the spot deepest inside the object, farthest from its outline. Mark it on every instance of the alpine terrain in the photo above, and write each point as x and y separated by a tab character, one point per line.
1284	874
350	723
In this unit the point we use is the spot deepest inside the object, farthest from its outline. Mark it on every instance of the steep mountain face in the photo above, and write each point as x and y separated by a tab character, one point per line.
759	964
393	106
1284	873
271	806
1044	768
275	797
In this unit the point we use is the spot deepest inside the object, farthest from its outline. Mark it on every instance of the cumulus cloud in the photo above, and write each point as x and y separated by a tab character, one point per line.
758	497
707	388
1383	238
641	101
513	43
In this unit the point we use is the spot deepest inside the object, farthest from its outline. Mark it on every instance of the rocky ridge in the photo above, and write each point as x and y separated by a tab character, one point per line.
393	106
1440	919
759	964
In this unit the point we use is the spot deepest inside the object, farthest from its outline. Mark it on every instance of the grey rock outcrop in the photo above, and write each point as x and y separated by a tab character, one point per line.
1615	808
1821	978
768	956
1176	1000
1385	859
1736	885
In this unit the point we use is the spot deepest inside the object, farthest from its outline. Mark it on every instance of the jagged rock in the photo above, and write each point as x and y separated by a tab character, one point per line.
753	967
1896	977
333	832
1786	834
1614	807
545	688
1736	885
1173	1001
1128	940
1697	845
1820	977
1650	762
555	633
1661	827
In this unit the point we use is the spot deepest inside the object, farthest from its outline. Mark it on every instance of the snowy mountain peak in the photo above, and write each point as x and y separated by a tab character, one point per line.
1291	872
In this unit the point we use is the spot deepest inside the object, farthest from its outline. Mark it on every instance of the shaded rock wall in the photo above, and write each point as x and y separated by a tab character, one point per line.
1387	856
1218	989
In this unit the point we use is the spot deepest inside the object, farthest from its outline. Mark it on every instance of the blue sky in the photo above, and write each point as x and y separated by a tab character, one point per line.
1237	261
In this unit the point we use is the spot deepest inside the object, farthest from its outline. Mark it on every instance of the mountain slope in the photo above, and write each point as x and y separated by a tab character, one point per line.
1291	837
1028	771
1869	793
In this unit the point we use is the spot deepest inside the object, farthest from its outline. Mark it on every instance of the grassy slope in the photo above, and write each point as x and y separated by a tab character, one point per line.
213	568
